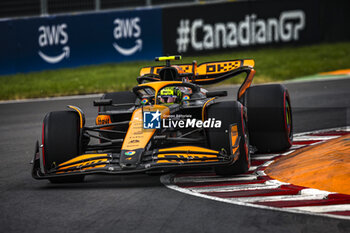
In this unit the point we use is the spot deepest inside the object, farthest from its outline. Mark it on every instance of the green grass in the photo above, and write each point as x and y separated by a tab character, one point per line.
271	65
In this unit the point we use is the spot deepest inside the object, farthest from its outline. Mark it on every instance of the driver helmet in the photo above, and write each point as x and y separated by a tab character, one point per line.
170	95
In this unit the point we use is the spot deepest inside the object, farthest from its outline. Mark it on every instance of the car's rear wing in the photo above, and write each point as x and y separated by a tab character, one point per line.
203	74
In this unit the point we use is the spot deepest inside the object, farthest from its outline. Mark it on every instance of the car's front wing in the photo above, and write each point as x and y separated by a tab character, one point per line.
154	160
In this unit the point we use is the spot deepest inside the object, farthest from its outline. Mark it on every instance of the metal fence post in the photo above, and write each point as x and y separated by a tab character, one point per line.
97	5
43	7
148	2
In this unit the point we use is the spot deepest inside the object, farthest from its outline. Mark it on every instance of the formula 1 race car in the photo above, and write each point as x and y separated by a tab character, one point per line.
168	122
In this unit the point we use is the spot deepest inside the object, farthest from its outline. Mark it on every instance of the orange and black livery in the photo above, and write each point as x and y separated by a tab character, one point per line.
168	122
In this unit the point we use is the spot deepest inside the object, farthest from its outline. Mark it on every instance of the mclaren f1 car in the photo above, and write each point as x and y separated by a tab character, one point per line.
168	122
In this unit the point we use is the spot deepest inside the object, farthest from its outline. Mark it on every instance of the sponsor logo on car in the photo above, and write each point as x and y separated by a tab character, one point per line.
103	119
130	152
135	141
144	101
251	30
53	36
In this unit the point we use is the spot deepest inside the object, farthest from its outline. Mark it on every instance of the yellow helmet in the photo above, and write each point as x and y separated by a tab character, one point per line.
169	95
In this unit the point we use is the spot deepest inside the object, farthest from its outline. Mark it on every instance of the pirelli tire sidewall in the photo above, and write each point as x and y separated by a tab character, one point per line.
229	112
60	139
269	117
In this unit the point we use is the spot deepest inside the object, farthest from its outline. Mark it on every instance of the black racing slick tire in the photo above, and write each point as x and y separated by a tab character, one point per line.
270	117
60	139
229	113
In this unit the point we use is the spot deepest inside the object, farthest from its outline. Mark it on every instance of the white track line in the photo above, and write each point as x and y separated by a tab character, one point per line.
264	157
261	173
321	209
281	198
313	138
288	152
233	188
310	191
195	179
253	168
271	184
294	147
304	195
267	163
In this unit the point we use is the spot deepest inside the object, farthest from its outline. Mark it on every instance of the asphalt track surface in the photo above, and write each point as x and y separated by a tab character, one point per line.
140	203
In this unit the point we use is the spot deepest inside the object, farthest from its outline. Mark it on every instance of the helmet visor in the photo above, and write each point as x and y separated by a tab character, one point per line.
167	99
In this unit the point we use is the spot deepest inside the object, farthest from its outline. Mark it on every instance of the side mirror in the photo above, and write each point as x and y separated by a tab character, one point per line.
103	102
216	93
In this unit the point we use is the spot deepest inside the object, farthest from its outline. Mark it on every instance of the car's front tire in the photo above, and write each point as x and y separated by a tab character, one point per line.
229	113
60	139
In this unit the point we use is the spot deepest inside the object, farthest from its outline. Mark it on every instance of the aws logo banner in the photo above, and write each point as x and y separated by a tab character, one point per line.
125	31
53	43
138	35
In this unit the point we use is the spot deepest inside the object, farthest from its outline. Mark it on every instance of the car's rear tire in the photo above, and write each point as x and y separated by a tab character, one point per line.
61	136
270	117
229	112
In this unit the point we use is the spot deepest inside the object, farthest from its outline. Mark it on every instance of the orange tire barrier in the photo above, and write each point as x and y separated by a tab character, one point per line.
324	166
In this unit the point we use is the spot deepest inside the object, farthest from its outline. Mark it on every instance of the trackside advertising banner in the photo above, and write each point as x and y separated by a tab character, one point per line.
237	25
73	40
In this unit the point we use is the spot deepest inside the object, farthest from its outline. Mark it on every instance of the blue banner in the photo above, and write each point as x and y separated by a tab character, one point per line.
42	43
